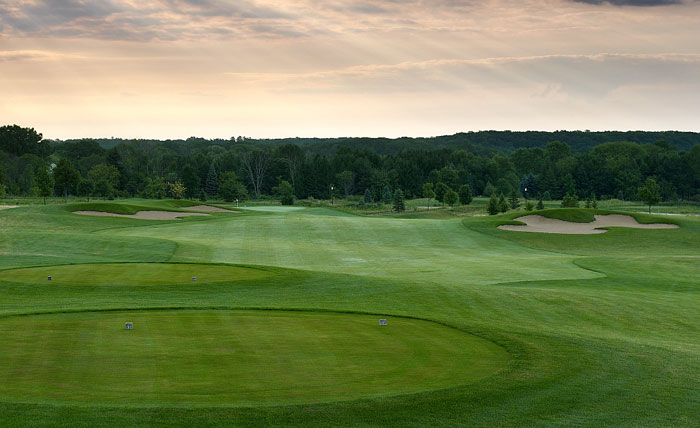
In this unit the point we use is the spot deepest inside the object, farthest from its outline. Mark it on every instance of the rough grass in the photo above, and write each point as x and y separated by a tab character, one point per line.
602	330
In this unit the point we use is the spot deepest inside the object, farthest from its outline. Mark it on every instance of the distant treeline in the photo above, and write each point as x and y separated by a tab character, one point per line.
547	164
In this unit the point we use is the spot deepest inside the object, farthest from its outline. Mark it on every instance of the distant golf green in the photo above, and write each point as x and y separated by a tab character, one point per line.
130	274
232	358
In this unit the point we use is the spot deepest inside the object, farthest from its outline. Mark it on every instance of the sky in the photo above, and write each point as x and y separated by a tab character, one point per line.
336	68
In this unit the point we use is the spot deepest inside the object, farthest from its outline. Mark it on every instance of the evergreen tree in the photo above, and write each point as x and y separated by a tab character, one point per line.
540	205
387	197
212	183
489	190
570	201
493	205
513	200
502	204
465	194
547	196
368	196
399	205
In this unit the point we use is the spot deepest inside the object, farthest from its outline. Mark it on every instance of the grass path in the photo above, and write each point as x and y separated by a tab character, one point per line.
441	251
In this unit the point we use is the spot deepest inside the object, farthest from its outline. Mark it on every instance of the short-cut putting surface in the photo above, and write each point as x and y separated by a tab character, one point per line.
232	358
131	274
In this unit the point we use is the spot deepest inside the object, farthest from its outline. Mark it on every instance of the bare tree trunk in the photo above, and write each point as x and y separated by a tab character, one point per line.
256	164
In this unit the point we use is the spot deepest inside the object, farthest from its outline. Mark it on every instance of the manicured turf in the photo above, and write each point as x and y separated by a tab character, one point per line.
599	330
130	274
232	358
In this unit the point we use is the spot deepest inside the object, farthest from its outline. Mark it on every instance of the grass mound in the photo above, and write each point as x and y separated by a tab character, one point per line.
130	208
232	358
131	274
574	215
586	215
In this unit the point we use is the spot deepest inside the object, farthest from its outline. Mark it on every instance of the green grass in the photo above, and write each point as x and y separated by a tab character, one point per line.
232	358
130	274
130	206
569	214
599	330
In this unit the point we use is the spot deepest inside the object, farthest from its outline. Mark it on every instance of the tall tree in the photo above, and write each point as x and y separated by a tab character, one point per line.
451	197
86	188
465	194
649	193
19	141
106	179
346	180
368	196
44	183
428	192
285	192
440	190
493	205
66	177
502	204
230	188
256	164
399	203
293	156
387	196
513	200
212	184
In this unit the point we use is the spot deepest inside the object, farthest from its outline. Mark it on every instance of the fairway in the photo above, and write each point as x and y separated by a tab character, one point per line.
130	274
232	358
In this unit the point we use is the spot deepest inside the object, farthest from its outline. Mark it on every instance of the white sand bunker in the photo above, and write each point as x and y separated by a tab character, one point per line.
537	223
142	215
207	209
7	207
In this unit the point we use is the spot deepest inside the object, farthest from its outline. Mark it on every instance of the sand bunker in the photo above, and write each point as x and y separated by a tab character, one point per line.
537	223
207	209
7	207
142	215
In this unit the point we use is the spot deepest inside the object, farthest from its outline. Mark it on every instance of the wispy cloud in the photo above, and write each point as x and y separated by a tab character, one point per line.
633	2
580	76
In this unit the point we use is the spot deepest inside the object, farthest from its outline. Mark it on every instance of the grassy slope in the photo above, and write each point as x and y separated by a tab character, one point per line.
609	338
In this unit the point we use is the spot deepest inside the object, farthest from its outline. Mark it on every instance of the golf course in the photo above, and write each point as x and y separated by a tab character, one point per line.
269	316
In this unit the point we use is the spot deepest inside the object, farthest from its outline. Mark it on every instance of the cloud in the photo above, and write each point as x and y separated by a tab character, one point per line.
149	20
579	76
633	2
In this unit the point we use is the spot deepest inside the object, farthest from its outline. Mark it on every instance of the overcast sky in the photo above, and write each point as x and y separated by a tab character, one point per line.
278	68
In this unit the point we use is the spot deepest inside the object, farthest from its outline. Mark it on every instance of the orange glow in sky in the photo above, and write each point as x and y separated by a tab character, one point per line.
267	68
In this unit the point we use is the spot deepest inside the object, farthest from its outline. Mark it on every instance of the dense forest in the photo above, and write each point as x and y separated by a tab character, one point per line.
548	164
